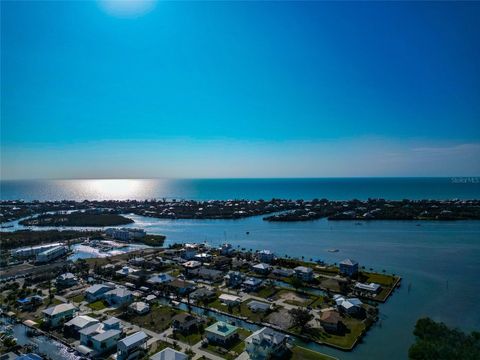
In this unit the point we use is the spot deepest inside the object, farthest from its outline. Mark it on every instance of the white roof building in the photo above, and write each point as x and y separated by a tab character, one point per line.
169	354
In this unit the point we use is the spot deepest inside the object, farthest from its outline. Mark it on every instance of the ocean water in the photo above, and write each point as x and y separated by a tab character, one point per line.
222	189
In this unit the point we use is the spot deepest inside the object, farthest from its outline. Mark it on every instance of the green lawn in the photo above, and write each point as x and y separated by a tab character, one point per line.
242	310
190	339
266	292
78	298
158	319
97	305
346	341
382	279
300	353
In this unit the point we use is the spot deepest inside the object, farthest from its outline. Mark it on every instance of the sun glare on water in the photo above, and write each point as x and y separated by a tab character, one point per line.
115	188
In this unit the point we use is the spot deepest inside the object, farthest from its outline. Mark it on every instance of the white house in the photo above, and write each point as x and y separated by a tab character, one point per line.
139	307
66	280
261	268
80	322
132	347
169	354
348	305
228	299
58	314
118	296
265	256
96	292
371	288
265	343
255	306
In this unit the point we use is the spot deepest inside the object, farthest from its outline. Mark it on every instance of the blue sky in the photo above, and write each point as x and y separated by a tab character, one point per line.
96	89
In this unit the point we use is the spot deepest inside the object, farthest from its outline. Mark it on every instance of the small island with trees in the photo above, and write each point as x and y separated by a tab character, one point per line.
77	218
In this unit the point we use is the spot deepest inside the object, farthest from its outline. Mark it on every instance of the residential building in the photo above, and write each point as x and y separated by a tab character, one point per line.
261	268
252	284
349	267
229	300
51	254
283	272
101	337
31	251
78	323
97	291
221	333
169	354
206	274
371	288
265	256
181	287
56	315
105	341
66	280
203	293
125	234
29	303
351	306
304	273
159	279
330	320
226	249
234	279
265	344
203	257
126	271
258	306
139	307
118	296
190	265
185	322
132	347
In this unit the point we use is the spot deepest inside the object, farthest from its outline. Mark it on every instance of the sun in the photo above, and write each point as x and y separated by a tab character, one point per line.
127	8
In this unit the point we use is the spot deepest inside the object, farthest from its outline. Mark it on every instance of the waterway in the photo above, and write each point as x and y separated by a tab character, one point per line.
439	262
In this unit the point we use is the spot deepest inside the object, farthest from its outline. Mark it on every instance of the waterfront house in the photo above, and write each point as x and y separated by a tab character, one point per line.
126	271
96	292
101	337
29	303
181	287
206	274
78	323
66	280
139	307
221	333
265	344
330	320
252	284
351	306
190	265
234	279
229	300
159	279
185	323
203	257
203	294
132	347
226	249
371	288
261	268
188	253
105	341
56	315
169	354
31	251
304	273
258	306
150	299
118	296
265	256
349	267
283	272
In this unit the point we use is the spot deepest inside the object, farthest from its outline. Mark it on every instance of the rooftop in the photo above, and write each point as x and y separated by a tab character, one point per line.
222	328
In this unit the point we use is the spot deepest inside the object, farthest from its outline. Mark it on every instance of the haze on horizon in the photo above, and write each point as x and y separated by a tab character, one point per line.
144	89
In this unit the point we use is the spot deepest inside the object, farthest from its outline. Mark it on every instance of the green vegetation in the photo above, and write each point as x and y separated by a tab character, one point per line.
20	238
300	353
97	305
191	338
234	349
158	319
77	219
437	341
78	298
153	240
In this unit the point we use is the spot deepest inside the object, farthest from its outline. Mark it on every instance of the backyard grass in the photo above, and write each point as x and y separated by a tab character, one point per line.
242	310
97	305
191	338
158	319
346	341
266	292
300	353
382	279
78	298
